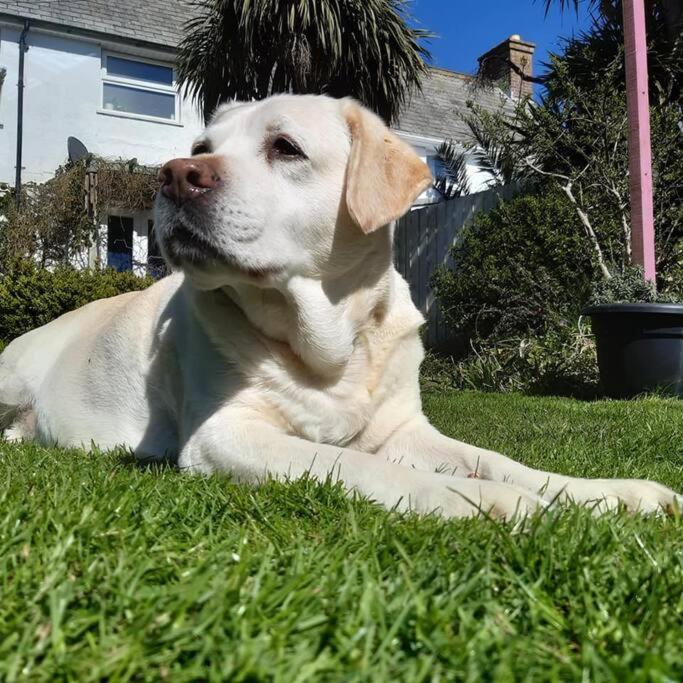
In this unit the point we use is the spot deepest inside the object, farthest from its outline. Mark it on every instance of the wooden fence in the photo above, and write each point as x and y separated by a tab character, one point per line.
422	242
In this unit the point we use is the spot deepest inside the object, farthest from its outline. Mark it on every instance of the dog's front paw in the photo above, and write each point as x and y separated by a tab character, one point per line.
505	501
456	497
638	495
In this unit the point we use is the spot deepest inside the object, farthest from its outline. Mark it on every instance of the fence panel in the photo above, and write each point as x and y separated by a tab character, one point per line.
422	242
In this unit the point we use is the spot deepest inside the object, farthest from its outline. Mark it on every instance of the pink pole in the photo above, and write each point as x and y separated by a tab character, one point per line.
640	157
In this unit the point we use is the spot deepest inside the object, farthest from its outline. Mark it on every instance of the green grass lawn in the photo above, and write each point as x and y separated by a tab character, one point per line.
113	572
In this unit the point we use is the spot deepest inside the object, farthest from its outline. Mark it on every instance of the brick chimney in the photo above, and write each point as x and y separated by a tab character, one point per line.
506	63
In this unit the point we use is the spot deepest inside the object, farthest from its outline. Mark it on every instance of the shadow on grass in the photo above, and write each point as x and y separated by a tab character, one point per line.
126	459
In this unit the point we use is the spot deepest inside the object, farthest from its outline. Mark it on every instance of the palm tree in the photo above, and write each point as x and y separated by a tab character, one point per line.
605	37
249	49
594	50
452	180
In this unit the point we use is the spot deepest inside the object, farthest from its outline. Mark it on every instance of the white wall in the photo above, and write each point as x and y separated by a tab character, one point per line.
62	97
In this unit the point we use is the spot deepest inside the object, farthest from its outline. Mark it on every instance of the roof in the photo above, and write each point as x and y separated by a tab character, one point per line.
153	21
436	111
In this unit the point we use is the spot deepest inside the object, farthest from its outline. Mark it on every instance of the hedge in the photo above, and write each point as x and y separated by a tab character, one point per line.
31	296
520	270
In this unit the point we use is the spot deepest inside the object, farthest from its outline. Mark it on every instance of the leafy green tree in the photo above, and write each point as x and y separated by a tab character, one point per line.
491	148
249	49
576	138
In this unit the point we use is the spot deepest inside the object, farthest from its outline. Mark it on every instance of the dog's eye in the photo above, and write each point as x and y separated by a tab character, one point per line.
286	149
201	148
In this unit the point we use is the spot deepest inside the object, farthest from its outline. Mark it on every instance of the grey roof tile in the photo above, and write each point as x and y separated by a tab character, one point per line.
437	111
159	21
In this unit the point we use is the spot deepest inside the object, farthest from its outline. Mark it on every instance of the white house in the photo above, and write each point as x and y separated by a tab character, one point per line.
103	72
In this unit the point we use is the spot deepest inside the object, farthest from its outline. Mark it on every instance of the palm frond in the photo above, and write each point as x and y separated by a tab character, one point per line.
564	5
452	181
494	151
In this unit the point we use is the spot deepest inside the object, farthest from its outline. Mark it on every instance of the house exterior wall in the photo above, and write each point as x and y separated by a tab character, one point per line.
63	97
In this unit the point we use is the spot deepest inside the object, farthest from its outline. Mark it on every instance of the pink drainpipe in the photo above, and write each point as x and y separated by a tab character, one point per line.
640	157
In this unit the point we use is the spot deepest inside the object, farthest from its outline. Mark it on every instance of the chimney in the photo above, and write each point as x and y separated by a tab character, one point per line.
506	63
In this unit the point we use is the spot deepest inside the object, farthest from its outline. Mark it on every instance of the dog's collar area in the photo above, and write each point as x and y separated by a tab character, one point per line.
275	314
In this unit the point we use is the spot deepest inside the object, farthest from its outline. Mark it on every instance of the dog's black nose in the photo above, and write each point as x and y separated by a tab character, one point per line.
185	179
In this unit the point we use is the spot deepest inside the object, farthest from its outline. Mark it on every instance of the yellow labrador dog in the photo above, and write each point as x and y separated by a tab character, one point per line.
286	342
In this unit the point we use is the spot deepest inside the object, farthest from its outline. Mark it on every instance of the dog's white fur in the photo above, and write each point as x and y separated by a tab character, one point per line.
293	347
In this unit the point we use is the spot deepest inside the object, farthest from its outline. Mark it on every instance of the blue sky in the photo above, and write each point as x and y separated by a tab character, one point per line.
468	28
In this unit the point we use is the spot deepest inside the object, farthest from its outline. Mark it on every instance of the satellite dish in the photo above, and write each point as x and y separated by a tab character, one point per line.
77	150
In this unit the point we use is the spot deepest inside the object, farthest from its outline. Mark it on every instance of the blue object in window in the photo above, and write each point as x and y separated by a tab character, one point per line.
141	71
120	243
119	261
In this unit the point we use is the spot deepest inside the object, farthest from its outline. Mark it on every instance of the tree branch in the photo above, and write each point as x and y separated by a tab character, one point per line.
566	186
625	226
592	237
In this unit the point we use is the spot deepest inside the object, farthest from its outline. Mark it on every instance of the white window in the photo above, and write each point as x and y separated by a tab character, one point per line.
139	88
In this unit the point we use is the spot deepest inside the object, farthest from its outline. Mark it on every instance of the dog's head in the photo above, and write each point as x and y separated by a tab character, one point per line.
289	185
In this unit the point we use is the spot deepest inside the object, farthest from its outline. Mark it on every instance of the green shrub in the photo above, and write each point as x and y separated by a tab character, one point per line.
521	270
630	287
561	362
31	297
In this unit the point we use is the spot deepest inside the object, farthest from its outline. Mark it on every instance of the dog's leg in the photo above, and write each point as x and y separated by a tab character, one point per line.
252	450
419	445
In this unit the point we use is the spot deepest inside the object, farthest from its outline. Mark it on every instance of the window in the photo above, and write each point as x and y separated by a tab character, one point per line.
120	242
137	87
155	261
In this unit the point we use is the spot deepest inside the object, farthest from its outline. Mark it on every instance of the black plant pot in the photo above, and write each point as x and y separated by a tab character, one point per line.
640	348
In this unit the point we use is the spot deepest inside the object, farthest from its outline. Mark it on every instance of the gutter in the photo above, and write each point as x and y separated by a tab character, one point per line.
20	111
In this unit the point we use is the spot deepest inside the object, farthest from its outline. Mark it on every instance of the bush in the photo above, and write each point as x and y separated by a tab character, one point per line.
630	287
31	297
561	362
520	270
520	277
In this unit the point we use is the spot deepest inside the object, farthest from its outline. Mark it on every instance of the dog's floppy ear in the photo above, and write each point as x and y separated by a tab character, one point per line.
383	175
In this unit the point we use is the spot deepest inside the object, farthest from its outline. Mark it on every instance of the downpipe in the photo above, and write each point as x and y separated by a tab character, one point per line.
23	47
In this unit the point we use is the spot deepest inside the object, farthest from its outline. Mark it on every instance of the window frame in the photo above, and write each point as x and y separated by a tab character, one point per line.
139	84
